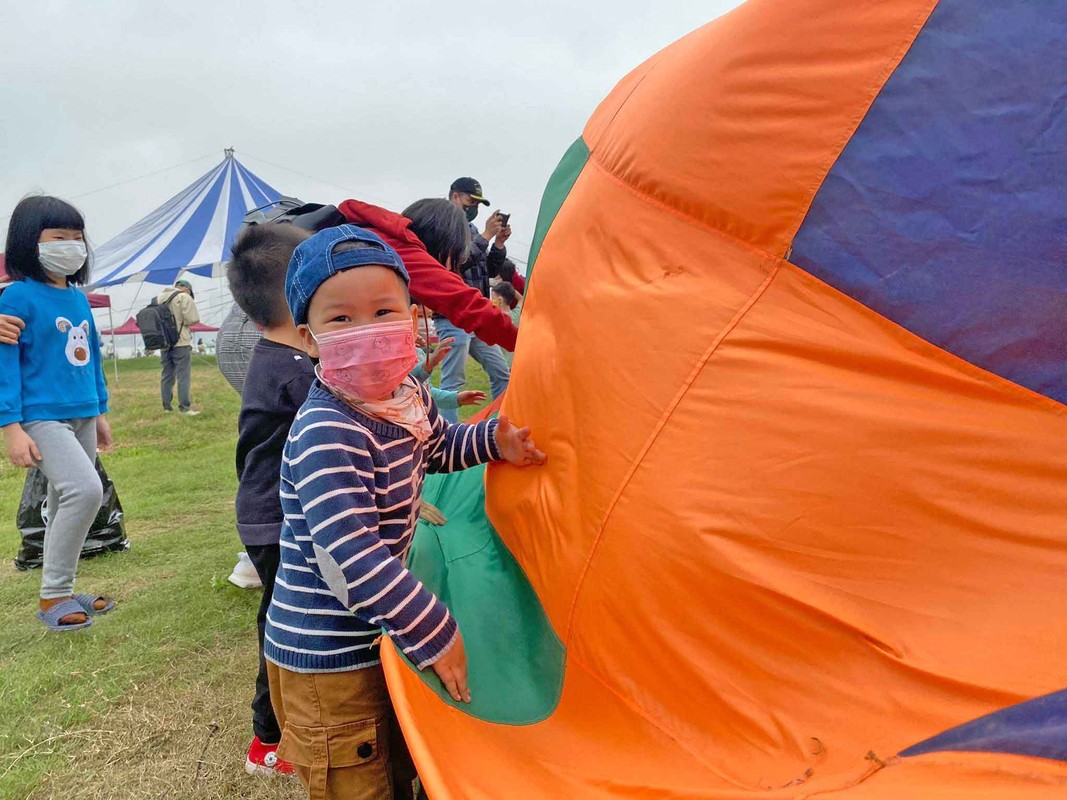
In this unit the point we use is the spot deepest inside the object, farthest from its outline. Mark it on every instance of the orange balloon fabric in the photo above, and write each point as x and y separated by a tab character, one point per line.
781	537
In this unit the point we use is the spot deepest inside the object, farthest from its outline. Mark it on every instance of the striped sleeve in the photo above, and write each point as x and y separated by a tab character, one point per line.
331	469
451	448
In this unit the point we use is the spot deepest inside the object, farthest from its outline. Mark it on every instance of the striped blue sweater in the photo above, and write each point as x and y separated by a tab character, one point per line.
350	490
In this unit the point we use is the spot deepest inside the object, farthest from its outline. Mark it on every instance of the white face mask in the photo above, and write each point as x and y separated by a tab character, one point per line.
63	258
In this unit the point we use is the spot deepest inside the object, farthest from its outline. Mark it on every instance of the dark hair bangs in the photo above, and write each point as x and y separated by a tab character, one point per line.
31	217
61	214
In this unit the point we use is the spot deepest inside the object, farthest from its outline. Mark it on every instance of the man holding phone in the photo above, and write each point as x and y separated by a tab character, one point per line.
485	261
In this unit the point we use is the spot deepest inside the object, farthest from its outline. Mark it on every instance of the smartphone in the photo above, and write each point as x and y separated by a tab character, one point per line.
503	218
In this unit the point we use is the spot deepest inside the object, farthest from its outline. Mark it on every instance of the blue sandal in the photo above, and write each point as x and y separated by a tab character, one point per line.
88	602
51	618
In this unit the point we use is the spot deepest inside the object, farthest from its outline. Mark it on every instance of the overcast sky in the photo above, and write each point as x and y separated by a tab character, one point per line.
387	102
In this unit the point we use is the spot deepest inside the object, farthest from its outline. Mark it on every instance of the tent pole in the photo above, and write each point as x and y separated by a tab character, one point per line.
114	350
136	294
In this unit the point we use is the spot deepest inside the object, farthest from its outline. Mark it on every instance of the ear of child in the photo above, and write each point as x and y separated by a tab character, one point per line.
311	347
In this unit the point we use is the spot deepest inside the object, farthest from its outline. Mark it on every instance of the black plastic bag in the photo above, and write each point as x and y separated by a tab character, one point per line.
107	533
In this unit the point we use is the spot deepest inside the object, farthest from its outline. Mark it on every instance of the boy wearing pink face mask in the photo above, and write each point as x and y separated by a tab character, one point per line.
351	480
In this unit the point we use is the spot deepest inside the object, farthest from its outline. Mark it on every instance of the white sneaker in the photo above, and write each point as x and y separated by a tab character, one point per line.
244	574
191	413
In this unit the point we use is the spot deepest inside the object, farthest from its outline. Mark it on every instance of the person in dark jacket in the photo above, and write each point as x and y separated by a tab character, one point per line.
484	261
276	384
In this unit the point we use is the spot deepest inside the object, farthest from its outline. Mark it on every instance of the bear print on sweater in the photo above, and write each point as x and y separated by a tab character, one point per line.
77	350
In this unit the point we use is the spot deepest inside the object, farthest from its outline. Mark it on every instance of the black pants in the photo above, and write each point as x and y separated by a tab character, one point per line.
265	558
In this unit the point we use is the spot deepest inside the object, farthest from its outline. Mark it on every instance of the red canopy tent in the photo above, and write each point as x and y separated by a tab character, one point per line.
128	328
200	327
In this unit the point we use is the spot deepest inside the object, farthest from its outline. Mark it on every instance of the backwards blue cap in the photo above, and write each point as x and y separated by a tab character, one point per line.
314	260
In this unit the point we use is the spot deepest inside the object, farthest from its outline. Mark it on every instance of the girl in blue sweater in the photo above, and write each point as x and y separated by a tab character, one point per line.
52	393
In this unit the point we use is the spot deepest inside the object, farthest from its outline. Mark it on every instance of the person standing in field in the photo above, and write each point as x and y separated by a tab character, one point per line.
53	399
275	386
177	361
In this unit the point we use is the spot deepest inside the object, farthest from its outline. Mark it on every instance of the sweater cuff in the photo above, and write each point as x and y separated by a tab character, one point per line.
494	446
435	649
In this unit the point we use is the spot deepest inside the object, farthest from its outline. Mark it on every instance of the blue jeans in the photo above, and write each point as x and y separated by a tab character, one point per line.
454	368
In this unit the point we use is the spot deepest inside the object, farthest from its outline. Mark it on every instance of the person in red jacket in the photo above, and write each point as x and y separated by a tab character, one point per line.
432	283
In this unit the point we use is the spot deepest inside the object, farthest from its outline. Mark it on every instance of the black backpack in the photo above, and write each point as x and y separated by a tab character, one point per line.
158	326
312	217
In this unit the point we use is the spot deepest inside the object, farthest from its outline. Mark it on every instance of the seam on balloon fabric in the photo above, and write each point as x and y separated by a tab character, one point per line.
591	159
941	355
875	89
654	435
791	230
610	122
652	200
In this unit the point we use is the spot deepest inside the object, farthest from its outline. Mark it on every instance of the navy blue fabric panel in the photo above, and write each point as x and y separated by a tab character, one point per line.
1034	728
947	210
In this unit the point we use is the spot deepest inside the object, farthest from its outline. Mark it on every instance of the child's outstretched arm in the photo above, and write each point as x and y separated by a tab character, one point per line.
455	447
329	472
451	448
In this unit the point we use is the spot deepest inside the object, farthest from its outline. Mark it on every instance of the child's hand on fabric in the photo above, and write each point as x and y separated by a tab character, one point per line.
516	446
470	398
438	355
21	449
451	668
103	434
431	514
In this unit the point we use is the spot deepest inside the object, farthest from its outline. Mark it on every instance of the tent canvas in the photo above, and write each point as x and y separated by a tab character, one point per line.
192	231
128	328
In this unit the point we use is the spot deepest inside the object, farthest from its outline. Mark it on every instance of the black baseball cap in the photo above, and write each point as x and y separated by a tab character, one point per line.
469	186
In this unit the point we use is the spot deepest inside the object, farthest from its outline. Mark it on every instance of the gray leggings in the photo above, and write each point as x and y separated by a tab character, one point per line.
68	460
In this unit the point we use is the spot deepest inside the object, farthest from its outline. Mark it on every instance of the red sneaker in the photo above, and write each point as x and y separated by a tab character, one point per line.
263	760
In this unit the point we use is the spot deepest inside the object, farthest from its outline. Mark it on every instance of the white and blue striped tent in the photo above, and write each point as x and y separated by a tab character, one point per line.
193	231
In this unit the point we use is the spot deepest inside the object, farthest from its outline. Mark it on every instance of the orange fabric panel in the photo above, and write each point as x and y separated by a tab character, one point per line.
963	776
828	579
593	747
864	546
613	361
738	123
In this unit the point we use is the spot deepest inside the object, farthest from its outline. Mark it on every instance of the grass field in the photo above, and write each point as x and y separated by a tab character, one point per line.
153	700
